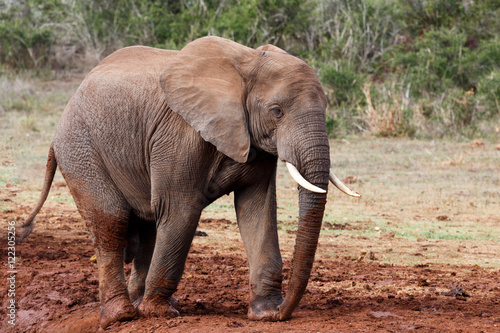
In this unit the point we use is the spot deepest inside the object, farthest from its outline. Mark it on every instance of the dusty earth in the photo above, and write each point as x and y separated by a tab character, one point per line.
57	289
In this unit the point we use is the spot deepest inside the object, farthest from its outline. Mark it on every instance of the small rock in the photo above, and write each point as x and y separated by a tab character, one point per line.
456	292
423	283
382	314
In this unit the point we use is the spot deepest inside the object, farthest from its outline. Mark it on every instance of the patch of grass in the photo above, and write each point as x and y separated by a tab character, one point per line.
447	235
8	175
29	124
8	178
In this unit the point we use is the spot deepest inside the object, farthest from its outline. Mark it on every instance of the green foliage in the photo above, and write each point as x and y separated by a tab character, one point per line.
434	62
251	22
435	14
440	60
478	19
352	33
489	87
345	85
26	38
433	52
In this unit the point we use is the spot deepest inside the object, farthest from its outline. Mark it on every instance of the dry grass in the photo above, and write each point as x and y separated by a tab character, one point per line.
386	118
423	201
390	111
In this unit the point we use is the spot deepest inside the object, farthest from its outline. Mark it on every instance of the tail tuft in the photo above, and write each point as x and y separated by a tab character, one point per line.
27	229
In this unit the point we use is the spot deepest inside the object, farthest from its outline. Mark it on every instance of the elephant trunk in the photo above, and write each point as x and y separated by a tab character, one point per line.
314	168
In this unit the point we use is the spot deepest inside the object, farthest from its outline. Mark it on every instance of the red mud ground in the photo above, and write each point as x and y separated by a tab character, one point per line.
57	290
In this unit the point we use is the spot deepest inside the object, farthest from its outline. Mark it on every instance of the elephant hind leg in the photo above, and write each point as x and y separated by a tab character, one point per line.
110	240
133	241
115	300
145	238
107	216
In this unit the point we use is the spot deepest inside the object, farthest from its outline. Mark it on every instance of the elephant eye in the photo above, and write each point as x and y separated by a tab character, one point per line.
277	112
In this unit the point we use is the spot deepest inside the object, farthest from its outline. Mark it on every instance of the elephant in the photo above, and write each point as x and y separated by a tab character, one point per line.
152	136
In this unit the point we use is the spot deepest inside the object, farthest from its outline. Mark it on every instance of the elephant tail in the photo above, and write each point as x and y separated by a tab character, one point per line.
50	170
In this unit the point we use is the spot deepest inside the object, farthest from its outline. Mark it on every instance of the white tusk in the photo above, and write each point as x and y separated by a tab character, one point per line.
335	181
302	182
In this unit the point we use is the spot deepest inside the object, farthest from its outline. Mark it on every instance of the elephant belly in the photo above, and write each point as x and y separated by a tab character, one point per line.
138	196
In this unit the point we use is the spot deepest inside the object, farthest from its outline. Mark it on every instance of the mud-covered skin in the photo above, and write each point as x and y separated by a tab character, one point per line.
151	137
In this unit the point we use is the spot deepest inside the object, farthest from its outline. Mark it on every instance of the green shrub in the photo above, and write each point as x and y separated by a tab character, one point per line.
434	14
342	85
489	89
433	62
25	42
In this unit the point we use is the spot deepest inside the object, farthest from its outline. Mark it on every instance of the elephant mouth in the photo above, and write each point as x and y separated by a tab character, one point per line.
313	188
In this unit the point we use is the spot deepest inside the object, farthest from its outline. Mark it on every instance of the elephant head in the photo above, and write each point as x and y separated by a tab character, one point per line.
237	98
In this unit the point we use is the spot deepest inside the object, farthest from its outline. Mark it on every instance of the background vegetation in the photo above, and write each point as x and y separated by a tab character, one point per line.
426	68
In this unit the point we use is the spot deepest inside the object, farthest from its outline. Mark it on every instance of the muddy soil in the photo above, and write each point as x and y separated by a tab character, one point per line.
57	290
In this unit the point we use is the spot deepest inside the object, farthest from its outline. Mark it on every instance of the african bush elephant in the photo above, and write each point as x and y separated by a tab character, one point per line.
153	136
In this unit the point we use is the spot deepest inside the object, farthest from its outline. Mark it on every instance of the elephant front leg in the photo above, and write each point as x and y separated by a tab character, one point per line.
174	236
256	213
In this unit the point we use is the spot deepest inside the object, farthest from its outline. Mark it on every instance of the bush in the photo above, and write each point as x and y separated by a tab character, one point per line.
489	89
434	62
26	40
342	85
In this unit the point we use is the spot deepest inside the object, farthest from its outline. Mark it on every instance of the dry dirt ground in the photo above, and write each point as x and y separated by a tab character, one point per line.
57	289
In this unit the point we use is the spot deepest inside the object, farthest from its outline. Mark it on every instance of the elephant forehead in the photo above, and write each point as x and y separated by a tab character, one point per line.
302	91
284	64
286	72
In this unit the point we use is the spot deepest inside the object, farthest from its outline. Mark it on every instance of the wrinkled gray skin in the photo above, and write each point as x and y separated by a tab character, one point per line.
151	137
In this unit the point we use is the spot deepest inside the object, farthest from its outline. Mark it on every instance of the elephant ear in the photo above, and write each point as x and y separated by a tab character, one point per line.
203	83
271	48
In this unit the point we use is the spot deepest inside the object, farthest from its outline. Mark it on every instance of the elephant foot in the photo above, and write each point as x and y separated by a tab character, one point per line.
137	301
159	307
136	295
268	315
265	309
117	309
